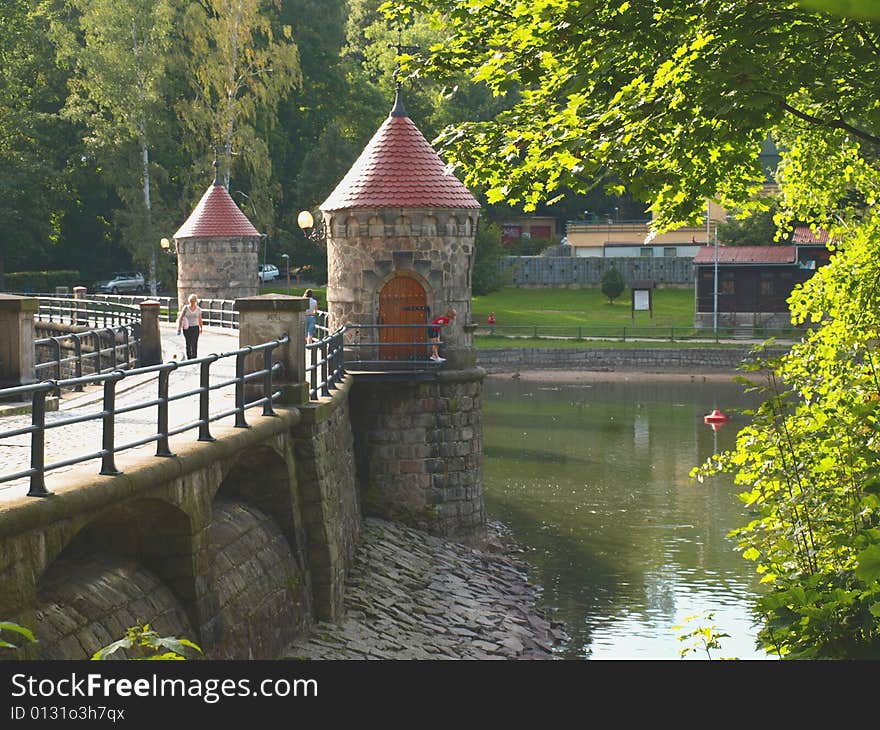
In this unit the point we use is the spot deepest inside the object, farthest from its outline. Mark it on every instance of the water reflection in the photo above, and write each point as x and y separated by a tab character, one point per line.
593	479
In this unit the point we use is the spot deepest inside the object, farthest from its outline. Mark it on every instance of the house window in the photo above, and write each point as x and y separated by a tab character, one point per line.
727	286
766	286
670	251
646	252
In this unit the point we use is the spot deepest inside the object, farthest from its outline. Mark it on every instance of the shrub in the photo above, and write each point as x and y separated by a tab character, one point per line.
612	284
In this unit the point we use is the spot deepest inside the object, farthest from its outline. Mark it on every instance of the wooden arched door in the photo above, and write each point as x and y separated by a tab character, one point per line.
403	301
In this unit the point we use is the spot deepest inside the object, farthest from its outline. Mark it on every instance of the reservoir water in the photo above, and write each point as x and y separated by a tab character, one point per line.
591	477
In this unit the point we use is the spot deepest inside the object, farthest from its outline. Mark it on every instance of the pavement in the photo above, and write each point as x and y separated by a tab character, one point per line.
83	438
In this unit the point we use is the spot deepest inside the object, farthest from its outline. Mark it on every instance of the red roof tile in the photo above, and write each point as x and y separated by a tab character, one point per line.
216	215
747	255
399	169
804	234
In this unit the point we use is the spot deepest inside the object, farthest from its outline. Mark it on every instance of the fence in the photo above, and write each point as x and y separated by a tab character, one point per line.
96	351
108	413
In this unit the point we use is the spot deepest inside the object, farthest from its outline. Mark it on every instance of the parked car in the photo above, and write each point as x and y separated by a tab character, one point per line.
131	282
268	272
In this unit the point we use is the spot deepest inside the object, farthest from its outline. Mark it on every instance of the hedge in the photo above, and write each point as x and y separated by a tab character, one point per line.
41	282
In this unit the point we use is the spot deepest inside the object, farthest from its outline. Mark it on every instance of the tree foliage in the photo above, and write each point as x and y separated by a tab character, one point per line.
612	283
674	99
486	276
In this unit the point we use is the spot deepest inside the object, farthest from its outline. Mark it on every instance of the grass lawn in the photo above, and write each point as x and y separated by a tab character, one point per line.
582	307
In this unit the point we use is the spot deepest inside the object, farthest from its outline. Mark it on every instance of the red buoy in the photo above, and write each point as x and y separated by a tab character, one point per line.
716	419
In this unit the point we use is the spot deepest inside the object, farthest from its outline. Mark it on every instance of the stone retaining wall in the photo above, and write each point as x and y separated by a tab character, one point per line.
419	452
584	271
648	359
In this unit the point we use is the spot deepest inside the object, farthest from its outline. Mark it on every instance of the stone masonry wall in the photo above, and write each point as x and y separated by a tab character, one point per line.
324	451
698	359
586	271
218	267
419	448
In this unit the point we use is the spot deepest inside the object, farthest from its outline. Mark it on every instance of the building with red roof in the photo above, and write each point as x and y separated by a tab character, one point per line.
217	249
753	283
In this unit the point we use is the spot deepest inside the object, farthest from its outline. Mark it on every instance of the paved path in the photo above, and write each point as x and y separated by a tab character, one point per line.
67	441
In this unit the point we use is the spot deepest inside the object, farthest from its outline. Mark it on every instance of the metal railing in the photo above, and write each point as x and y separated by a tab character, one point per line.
108	413
215	312
87	313
92	352
325	363
388	347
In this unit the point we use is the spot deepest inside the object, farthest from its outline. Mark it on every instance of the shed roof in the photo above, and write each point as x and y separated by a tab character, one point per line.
805	234
399	169
216	215
746	255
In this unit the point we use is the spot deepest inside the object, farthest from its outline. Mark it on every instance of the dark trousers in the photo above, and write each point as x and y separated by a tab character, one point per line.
191	335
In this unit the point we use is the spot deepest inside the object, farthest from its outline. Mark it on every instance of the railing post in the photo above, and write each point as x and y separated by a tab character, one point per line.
267	382
204	391
313	371
240	421
78	366
56	346
17	335
96	335
150	350
38	443
162	448
269	317
108	456
325	372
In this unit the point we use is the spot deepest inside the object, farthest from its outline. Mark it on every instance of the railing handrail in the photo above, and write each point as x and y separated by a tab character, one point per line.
39	391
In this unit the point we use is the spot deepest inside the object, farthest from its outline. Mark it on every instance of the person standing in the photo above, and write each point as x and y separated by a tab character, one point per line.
189	321
434	333
311	314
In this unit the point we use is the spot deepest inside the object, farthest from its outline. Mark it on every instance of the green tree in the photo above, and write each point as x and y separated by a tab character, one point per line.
238	60
32	141
675	99
486	276
117	52
756	228
612	284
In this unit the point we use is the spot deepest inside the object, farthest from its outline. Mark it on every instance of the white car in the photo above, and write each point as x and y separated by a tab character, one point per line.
268	272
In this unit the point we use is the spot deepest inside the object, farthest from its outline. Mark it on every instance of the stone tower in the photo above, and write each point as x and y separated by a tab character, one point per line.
217	249
400	248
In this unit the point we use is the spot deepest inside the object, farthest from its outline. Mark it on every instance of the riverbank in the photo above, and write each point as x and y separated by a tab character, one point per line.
410	595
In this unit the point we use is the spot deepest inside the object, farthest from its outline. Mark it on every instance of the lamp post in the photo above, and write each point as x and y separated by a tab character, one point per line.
715	286
287	269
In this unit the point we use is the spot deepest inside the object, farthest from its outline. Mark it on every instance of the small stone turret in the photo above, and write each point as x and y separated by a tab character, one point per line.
217	250
400	248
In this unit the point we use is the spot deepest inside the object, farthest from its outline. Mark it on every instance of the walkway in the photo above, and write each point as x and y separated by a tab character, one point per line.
73	440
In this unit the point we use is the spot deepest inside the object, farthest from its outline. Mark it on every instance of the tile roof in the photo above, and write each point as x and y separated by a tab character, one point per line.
216	215
399	169
747	255
804	234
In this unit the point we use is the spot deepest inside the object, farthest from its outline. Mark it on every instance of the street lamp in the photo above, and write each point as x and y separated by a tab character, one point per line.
306	222
287	269
715	297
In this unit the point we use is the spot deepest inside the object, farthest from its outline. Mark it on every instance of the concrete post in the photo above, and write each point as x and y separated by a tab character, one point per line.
79	292
17	357
268	317
151	342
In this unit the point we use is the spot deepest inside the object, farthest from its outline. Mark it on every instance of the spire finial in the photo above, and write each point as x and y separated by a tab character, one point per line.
399	110
216	170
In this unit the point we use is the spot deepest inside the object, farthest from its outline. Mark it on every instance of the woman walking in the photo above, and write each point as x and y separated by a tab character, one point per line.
189	321
311	314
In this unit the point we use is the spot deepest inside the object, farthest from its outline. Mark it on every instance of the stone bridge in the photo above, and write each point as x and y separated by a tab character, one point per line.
243	542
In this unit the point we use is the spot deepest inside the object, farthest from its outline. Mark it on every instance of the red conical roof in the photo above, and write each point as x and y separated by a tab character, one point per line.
216	215
399	169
